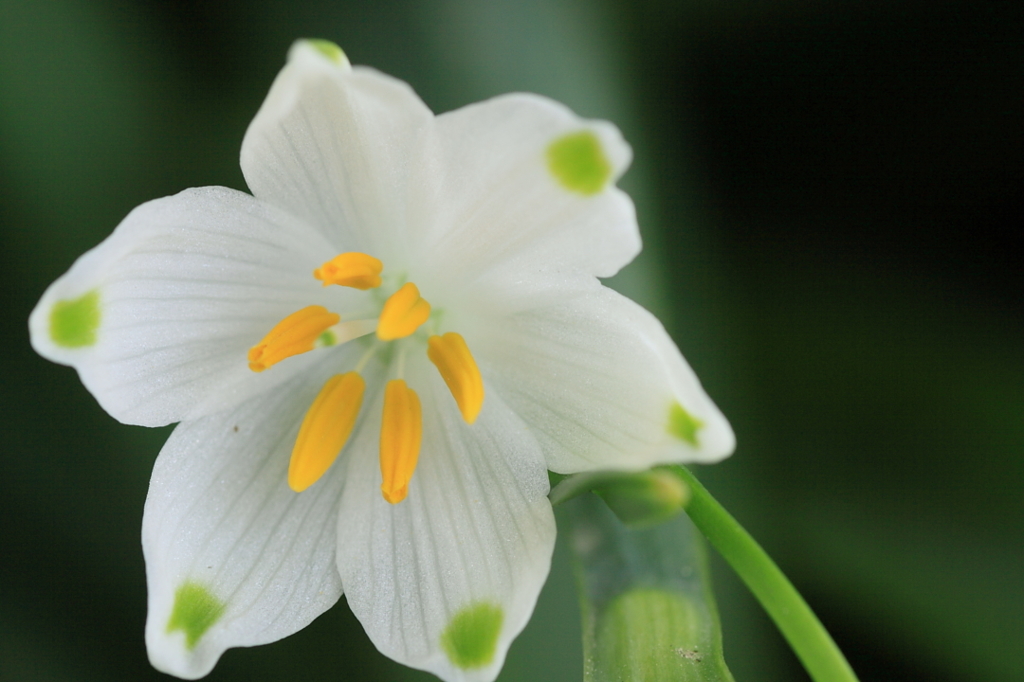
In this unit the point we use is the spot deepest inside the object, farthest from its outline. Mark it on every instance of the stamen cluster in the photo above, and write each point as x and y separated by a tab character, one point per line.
330	419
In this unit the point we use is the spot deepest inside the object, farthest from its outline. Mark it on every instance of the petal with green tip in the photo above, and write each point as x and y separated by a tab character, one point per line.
330	146
592	376
174	287
468	549
233	556
494	202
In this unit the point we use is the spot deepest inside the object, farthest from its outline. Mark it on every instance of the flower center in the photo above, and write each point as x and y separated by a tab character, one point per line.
332	416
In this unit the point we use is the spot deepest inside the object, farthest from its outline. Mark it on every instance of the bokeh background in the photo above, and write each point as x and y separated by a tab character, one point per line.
831	194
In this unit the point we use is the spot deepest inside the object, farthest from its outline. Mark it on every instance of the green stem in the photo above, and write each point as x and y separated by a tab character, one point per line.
798	624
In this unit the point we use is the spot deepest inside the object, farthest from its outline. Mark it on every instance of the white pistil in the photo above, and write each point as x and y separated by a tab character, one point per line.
352	329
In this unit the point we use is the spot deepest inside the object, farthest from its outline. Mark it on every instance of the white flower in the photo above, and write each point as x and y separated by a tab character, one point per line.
503	214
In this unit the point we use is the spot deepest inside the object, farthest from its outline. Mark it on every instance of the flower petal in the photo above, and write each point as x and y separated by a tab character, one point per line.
158	319
444	580
234	557
601	385
331	144
521	178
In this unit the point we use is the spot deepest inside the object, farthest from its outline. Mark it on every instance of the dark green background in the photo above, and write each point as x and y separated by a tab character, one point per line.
830	193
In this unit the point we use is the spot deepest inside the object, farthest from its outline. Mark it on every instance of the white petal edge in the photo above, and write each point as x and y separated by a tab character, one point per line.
186	285
475	528
332	144
595	377
220	515
492	201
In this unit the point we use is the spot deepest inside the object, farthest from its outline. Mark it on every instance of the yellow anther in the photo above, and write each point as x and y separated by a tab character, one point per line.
401	432
325	429
351	269
295	334
455	363
402	314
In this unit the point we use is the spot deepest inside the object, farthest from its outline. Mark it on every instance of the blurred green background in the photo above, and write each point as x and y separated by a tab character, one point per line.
831	196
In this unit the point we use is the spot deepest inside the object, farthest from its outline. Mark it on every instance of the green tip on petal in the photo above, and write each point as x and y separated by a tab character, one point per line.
73	323
329	50
578	162
651	634
683	425
472	635
195	610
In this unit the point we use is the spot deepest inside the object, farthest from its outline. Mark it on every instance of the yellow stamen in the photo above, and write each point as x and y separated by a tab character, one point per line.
402	314
455	363
325	429
400	435
353	269
297	333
